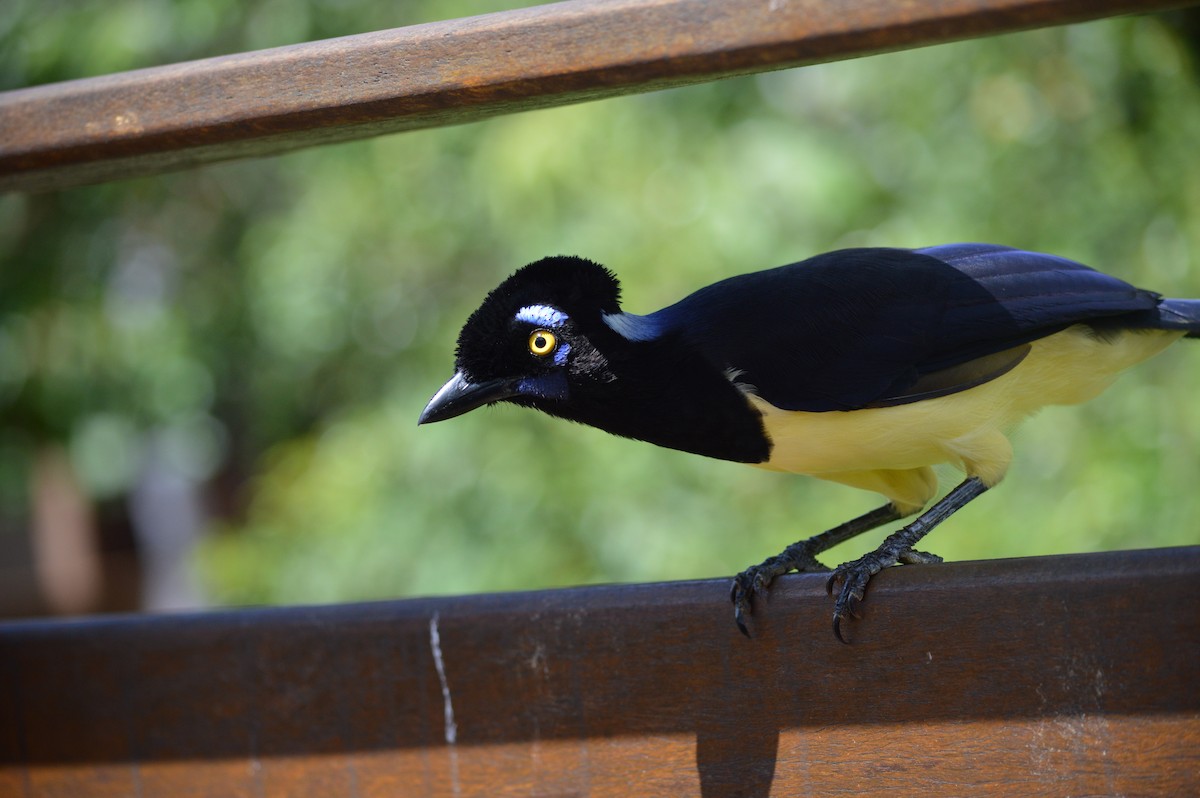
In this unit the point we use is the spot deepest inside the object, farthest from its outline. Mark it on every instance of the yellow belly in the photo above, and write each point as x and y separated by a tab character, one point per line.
890	449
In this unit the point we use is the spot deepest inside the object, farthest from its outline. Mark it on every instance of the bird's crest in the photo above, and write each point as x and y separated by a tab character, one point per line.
574	285
555	289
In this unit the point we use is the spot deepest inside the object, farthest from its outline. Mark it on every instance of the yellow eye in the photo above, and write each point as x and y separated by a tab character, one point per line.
542	342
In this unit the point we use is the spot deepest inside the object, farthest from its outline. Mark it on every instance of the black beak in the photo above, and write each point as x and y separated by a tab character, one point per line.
459	395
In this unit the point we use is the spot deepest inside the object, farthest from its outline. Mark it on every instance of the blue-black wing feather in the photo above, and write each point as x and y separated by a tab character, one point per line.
857	328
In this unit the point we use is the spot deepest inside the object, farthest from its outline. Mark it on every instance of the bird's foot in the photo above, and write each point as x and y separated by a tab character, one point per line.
855	575
754	581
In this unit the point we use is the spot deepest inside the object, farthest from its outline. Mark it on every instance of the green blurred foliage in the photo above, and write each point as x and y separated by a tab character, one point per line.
281	322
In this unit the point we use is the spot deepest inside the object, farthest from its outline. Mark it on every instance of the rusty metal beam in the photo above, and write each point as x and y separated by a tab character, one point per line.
172	117
1070	675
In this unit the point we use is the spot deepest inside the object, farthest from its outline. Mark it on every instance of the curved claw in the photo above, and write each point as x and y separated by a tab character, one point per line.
855	575
832	580
755	581
847	605
742	593
837	629
741	625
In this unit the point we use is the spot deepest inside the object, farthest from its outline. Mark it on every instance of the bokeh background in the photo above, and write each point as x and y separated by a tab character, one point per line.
209	381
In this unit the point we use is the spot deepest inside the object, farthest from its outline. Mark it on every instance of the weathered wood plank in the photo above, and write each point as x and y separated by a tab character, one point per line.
1056	675
172	117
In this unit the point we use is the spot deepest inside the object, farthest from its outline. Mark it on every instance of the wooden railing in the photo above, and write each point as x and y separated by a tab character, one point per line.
1072	675
173	117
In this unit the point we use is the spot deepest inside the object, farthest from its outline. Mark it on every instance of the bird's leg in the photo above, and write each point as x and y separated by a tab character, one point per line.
896	548
801	556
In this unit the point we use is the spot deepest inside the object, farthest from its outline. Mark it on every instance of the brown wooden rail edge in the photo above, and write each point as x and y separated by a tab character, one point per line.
1043	676
155	120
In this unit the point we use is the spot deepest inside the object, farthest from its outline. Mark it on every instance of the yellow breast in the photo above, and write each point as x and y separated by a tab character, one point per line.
890	449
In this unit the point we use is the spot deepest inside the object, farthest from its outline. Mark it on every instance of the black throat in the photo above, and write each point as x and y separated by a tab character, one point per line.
662	392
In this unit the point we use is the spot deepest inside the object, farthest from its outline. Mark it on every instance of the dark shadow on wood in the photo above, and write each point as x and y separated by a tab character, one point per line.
736	755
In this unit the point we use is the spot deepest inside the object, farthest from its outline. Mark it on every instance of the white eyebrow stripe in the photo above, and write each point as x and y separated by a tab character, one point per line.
542	315
633	327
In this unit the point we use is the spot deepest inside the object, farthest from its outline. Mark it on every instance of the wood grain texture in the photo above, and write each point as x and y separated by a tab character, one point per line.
1059	675
172	117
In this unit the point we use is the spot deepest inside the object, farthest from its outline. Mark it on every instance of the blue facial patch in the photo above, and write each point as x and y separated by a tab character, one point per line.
546	386
560	354
541	315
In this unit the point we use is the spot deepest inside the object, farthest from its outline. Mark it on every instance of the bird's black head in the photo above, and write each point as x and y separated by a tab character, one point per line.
553	337
533	339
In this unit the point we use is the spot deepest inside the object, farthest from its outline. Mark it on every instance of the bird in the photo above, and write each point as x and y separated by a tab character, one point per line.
865	367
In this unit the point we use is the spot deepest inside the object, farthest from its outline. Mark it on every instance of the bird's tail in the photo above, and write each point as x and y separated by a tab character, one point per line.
1178	314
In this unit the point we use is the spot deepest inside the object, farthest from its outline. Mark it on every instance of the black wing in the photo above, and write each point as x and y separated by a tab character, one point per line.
868	327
